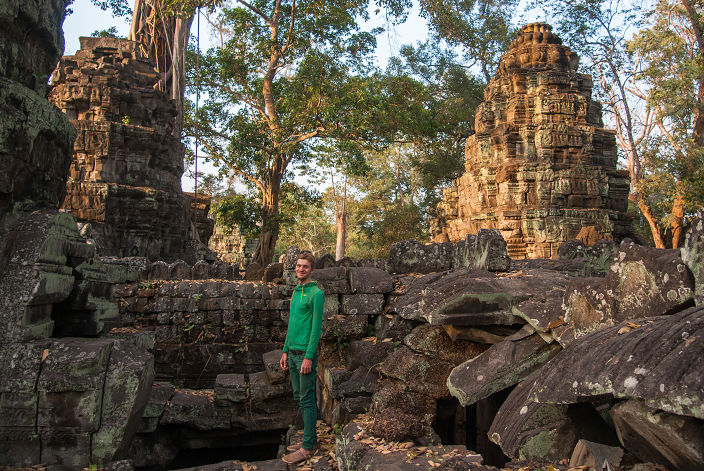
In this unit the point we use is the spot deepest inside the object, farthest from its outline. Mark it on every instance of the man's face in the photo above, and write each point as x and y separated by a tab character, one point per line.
303	270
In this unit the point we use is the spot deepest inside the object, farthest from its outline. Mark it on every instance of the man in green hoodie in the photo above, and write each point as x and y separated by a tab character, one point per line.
301	351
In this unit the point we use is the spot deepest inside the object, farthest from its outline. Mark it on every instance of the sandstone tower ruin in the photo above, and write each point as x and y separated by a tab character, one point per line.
540	167
125	177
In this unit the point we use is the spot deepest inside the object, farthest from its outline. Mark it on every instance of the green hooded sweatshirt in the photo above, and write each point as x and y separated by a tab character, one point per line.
305	320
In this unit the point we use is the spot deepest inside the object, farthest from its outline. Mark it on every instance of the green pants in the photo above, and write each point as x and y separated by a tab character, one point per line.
304	395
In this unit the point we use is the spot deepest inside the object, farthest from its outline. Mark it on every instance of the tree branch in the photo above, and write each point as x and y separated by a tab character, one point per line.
222	159
257	11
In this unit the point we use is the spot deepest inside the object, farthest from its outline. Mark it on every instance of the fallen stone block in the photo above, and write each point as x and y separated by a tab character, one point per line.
230	387
370	280
674	441
435	342
343	327
359	304
635	359
368	353
333	378
128	381
195	409
268	415
486	250
411	256
505	364
525	429
271	365
332	280
640	279
362	382
392	326
422	374
261	389
692	253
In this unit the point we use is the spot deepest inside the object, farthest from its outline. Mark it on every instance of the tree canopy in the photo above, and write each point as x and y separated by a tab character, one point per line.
285	76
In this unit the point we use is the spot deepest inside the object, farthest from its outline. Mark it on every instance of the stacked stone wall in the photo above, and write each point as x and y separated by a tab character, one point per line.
125	176
231	246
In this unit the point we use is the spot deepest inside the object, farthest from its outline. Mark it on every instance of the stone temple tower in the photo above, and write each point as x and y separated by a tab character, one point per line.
540	168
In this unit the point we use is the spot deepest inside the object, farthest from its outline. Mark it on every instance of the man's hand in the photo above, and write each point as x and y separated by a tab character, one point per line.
306	366
283	362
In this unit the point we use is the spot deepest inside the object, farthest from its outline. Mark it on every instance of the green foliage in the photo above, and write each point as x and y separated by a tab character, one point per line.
111	32
148	284
385	209
672	69
395	223
286	76
453	95
483	28
304	222
118	8
241	212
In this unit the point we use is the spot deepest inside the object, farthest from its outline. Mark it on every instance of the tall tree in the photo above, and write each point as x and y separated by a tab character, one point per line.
387	210
335	164
670	54
161	29
451	94
287	74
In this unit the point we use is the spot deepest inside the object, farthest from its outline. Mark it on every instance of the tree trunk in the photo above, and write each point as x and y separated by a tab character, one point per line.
163	39
341	223
655	228
270	215
178	68
677	220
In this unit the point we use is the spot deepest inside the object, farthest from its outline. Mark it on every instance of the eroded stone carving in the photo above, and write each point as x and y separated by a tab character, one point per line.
541	167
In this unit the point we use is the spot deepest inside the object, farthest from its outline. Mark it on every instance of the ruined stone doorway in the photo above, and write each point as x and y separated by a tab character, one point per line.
457	425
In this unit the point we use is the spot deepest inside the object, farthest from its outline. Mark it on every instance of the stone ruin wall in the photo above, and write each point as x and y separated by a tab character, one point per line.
442	322
540	167
70	401
125	176
231	247
200	210
219	343
35	137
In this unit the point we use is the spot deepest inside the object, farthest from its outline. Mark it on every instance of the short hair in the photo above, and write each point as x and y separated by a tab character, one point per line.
307	256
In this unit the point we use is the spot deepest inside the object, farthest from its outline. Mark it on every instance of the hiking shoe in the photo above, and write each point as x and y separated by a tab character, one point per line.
293	447
297	456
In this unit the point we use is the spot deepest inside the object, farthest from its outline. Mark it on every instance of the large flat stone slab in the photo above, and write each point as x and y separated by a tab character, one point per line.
505	364
656	360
